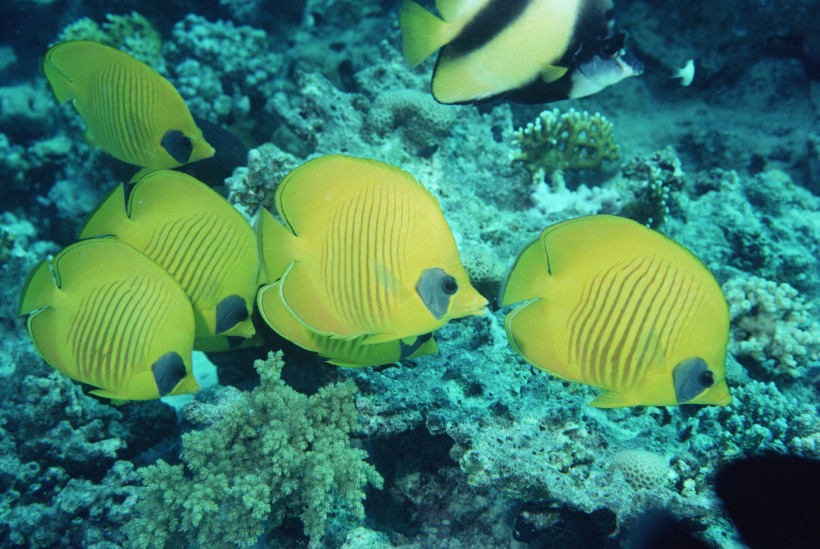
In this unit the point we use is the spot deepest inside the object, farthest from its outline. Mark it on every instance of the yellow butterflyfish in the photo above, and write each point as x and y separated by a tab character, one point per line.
104	314
610	303
351	353
364	251
130	110
197	236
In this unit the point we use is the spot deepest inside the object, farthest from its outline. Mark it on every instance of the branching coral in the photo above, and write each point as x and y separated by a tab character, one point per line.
264	456
772	324
654	182
565	141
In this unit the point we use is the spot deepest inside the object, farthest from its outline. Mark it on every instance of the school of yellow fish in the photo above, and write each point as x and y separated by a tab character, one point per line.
358	263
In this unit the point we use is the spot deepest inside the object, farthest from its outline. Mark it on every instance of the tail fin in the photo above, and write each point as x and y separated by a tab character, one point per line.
528	275
37	301
422	32
61	84
108	216
39	289
274	242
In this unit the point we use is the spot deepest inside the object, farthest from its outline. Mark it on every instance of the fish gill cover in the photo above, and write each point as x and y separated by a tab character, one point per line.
473	447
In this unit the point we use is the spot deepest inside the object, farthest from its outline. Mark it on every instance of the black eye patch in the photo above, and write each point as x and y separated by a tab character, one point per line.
178	145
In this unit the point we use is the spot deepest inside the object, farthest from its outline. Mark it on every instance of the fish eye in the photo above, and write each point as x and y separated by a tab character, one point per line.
449	285
706	378
178	145
610	47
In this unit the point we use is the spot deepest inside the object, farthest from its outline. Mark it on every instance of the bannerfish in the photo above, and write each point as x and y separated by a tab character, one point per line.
610	303
130	110
525	50
104	314
363	250
606	65
351	353
197	236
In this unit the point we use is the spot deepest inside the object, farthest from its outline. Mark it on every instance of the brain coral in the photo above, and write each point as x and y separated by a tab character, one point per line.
643	470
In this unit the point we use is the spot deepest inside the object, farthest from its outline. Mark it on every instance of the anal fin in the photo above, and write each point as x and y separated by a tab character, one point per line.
610	399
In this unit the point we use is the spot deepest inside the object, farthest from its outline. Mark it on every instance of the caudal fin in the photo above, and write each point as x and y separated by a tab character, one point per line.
422	32
274	242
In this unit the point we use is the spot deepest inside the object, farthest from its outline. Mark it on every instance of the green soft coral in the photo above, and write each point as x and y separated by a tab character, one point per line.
574	140
266	455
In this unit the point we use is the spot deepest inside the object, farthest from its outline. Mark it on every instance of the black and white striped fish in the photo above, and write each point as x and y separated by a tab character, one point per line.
529	51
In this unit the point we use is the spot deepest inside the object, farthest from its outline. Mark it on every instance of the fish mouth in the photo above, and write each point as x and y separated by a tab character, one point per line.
479	305
629	64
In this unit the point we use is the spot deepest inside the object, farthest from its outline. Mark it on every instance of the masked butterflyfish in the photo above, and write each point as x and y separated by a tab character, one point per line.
364	251
613	304
104	314
131	112
351	353
197	236
526	50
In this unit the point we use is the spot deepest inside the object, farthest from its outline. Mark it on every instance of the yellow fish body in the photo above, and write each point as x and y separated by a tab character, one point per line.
351	353
610	303
364	251
104	314
131	112
197	236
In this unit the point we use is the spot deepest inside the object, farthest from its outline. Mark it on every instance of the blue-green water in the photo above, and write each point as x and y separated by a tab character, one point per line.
470	447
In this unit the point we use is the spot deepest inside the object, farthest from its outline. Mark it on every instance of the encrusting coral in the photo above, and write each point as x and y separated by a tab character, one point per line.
574	140
262	456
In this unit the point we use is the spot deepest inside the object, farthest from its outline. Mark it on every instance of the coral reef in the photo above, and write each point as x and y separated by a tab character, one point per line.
67	478
252	187
573	140
654	183
421	121
773	325
642	470
257	459
223	71
764	225
476	448
131	33
6	244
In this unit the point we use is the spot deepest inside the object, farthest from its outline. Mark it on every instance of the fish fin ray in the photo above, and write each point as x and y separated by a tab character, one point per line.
373	339
274	244
422	32
451	10
529	276
610	399
107	216
552	73
61	84
298	294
